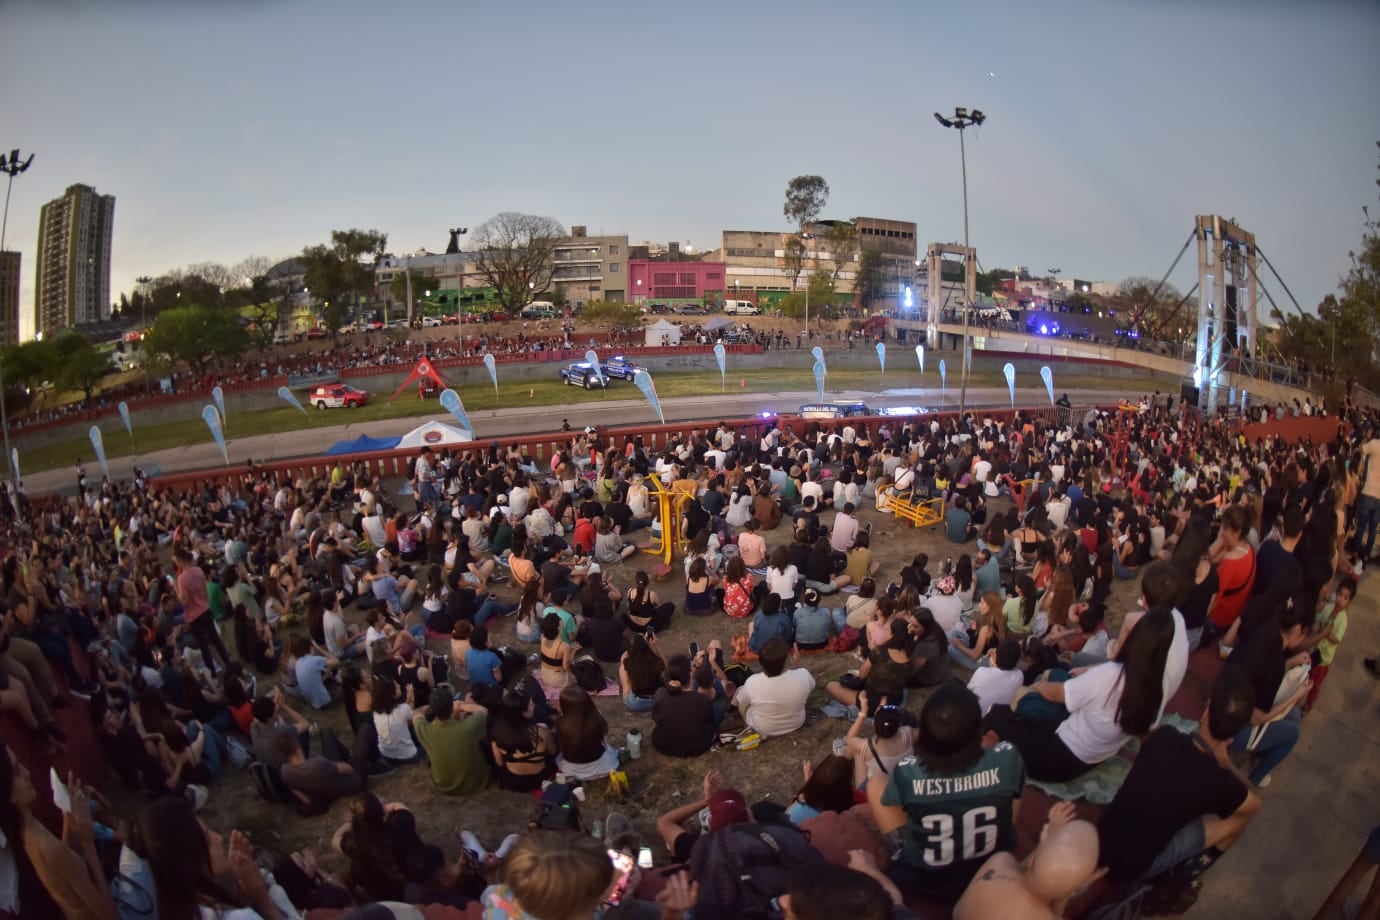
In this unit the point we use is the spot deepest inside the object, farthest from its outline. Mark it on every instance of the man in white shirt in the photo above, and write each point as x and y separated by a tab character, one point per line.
1057	509
1368	507
996	686
845	531
773	702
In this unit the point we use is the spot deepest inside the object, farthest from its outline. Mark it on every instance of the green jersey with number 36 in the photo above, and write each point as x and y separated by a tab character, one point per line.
955	822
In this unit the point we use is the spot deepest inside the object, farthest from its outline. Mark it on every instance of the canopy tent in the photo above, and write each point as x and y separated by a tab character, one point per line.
361	445
425	369
432	434
663	333
717	323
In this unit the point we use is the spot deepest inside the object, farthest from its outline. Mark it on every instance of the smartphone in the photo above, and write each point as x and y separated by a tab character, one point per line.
61	798
644	857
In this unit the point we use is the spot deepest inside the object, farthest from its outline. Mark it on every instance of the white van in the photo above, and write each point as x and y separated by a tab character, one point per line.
741	308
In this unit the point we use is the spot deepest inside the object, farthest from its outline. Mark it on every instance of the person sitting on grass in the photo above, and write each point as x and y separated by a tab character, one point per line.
452	733
773	702
684	722
770	622
816	626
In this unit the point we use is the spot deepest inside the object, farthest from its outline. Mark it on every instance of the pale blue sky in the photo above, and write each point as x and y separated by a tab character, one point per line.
229	128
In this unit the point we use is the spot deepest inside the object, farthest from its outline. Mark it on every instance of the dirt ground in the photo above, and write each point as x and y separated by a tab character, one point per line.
772	771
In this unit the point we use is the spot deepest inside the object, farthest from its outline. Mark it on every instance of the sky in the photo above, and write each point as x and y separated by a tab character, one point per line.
229	128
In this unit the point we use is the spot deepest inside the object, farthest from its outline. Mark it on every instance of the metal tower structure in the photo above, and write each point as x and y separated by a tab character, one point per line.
1227	301
934	283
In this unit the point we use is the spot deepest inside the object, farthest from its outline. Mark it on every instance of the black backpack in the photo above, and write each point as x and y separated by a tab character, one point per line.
744	867
558	809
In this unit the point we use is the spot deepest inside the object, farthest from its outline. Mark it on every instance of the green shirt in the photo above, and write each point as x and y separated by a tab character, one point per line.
454	748
955	822
215	597
1328	647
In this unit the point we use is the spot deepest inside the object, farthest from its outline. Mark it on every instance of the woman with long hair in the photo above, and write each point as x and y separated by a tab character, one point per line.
738	589
367	841
1197	575
699	589
555	654
1236	572
527	624
647	613
524	753
1055	619
393	722
69	867
990	632
581	733
1108	704
828	786
964	585
639	672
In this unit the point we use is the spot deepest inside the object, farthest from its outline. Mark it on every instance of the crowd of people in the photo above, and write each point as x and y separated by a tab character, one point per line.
975	674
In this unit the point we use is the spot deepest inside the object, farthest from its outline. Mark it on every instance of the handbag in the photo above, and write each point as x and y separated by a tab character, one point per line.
1293	680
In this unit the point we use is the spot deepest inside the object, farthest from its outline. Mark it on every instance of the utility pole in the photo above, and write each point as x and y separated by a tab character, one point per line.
12	166
962	119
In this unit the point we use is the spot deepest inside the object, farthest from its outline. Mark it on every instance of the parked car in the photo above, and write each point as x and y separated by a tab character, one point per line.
316	333
539	309
282	337
431	322
337	395
692	309
583	374
374	325
621	368
397	323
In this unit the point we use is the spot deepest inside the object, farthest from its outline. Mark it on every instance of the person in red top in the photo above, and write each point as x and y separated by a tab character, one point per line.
583	538
1235	560
196	608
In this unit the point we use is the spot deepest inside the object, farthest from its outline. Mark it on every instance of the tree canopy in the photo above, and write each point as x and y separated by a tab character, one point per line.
805	198
514	255
613	314
196	335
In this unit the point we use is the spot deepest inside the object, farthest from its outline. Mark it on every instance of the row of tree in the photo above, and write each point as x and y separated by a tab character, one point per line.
67	361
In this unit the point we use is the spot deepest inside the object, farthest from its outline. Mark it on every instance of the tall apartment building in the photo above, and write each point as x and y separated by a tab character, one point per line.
9	298
587	268
73	278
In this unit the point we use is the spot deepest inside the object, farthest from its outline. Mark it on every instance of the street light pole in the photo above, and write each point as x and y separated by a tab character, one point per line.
11	166
962	119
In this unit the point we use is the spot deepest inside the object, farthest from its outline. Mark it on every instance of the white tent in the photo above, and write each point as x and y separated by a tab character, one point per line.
663	333
435	434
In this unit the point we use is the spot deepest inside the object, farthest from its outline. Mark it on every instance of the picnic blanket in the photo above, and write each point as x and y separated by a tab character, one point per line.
554	693
1100	784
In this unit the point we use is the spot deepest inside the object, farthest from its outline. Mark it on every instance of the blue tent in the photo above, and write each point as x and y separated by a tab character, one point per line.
362	444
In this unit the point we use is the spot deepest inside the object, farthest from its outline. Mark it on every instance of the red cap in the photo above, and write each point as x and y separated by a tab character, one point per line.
727	806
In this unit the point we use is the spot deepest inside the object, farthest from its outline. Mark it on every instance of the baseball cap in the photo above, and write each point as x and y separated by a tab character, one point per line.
726	807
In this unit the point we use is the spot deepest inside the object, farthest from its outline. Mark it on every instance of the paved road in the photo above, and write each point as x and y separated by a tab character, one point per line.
322	429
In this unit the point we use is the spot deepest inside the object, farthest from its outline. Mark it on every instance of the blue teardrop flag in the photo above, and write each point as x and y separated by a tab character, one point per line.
920	356
450	401
943	380
291	398
124	415
593	360
881	356
721	355
820	371
492	367
219	396
1009	370
648	387
99	446
211	416
1047	376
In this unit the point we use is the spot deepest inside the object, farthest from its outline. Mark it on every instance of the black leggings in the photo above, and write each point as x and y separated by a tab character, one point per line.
1046	756
203	630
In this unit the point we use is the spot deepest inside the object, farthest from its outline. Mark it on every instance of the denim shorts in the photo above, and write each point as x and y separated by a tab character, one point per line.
637	703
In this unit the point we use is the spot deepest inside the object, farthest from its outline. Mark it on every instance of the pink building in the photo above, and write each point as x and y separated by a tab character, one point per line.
675	281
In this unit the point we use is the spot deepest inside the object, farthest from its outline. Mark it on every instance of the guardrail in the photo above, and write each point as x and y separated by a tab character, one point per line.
540	448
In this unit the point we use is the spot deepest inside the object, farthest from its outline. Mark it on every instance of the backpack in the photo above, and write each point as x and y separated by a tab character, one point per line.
588	675
743	868
558	809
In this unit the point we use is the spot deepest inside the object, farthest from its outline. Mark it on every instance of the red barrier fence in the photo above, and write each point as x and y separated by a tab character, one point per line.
542	447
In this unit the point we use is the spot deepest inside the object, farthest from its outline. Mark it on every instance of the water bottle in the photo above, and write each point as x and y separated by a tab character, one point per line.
634	743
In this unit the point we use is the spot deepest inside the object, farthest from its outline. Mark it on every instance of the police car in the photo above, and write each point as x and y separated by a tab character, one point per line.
621	368
583	374
337	396
895	411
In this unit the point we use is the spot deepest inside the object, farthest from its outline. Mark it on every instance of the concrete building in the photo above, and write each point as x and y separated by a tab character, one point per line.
9	298
662	281
434	271
755	260
73	278
587	268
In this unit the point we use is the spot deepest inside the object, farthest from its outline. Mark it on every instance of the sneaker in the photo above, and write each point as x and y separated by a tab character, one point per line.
85	690
840	746
472	844
1265	781
507	845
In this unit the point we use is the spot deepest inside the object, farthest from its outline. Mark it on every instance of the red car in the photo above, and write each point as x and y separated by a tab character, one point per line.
337	395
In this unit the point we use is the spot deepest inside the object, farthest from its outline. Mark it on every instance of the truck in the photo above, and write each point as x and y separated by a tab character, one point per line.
741	308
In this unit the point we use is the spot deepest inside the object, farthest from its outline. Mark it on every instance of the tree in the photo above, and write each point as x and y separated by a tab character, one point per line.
805	198
612	314
344	269
397	288
80	366
1147	305
195	335
514	255
30	364
821	288
841	242
871	282
794	258
987	282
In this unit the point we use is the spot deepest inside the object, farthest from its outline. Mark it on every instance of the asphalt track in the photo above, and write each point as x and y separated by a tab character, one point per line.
322	429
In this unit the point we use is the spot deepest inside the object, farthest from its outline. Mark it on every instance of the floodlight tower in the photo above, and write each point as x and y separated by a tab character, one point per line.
962	119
